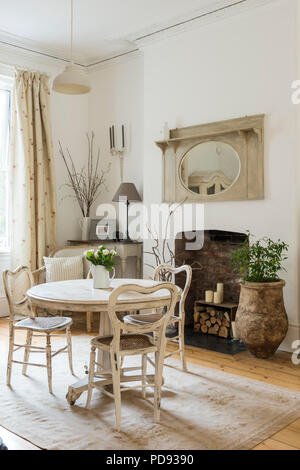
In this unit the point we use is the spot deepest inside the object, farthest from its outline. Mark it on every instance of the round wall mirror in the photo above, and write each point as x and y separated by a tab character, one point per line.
210	168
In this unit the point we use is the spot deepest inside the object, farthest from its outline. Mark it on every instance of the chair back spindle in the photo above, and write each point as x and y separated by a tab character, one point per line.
16	283
159	326
173	271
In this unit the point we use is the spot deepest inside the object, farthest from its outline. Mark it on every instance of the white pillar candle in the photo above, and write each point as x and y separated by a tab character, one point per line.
209	296
234	332
217	298
220	289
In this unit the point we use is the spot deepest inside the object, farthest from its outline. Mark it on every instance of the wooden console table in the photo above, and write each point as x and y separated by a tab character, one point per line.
125	249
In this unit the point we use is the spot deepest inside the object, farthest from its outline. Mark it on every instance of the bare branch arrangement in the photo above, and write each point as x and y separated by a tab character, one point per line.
87	183
162	252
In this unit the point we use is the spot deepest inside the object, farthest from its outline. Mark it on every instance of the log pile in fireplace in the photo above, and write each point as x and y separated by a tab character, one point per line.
211	321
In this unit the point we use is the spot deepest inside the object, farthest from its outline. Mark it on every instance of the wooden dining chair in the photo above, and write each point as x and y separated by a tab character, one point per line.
180	319
129	339
16	284
161	271
39	276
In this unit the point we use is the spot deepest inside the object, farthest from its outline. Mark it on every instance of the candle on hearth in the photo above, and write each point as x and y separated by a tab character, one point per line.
209	296
217	298
220	289
234	332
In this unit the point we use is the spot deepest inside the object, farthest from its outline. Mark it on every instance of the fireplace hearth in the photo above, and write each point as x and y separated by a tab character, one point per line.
211	265
213	343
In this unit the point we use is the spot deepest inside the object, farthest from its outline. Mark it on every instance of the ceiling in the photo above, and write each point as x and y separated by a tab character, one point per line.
102	28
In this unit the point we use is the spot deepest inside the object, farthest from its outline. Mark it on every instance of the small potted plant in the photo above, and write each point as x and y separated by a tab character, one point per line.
261	319
102	263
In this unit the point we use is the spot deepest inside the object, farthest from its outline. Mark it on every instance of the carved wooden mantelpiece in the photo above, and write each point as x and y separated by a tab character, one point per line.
245	135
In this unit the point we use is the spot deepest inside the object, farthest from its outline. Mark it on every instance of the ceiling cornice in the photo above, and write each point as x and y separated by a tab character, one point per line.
13	56
13	48
231	9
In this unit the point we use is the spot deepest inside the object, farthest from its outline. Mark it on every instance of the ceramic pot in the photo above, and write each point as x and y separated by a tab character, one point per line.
261	319
101	278
85	224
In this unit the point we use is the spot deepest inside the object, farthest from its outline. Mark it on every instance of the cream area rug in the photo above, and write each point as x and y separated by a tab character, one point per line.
201	409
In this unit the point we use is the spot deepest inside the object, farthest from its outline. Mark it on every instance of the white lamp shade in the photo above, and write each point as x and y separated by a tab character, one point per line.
72	81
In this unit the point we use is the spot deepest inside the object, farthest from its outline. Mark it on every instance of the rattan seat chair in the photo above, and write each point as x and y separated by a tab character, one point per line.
180	319
128	340
16	284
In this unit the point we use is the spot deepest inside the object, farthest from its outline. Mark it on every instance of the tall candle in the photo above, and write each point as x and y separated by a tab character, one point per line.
220	289
123	141
209	296
217	298
234	331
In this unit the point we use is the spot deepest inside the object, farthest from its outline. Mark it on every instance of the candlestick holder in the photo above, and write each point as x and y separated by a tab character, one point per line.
115	151
120	153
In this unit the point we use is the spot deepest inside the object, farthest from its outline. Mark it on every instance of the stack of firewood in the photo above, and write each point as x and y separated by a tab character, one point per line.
208	320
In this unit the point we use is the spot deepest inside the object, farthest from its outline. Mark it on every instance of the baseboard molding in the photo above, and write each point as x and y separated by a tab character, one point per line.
293	334
3	307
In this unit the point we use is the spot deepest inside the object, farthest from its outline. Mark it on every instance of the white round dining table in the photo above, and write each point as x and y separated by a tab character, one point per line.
80	296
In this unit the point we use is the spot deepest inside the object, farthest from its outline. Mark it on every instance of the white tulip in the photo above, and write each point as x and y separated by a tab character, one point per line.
113	252
106	252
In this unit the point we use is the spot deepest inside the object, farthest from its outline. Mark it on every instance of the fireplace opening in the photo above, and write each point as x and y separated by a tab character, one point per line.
210	325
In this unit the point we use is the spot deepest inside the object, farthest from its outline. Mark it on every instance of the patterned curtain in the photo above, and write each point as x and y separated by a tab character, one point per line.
33	205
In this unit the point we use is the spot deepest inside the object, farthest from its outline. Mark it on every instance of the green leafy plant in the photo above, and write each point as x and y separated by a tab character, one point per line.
260	261
102	257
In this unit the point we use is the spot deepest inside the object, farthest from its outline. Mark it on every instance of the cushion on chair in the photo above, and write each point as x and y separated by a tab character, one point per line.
63	269
44	323
127	342
142	318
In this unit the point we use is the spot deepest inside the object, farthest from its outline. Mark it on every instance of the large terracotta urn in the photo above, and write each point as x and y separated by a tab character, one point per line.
261	319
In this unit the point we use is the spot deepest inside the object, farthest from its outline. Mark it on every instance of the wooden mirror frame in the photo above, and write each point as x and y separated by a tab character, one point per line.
245	135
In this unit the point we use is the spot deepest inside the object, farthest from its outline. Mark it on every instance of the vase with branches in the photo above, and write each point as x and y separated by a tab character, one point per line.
162	252
87	182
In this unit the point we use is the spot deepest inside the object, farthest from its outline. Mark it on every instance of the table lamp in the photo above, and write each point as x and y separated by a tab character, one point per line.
127	193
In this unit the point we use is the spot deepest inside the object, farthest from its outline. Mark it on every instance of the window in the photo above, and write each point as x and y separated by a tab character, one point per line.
5	100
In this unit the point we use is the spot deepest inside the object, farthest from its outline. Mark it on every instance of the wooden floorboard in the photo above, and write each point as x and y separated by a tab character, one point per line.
278	370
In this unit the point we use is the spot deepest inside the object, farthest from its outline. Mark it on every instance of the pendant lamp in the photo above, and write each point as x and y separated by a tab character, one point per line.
73	80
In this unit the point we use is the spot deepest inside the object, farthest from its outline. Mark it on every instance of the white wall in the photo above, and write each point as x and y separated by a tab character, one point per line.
69	126
240	66
117	98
